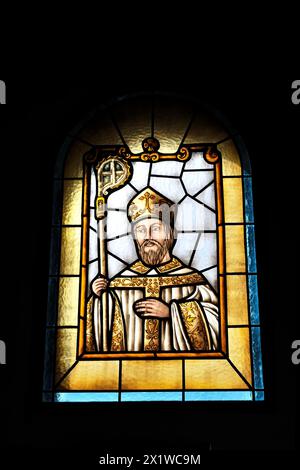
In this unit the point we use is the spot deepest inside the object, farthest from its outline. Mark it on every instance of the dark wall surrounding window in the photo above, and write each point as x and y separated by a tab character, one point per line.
33	134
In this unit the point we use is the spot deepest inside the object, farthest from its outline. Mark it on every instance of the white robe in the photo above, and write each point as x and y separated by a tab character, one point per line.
173	334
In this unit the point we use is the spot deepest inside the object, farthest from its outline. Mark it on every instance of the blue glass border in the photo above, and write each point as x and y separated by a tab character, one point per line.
219	395
259	395
257	357
248	198
73	397
251	251
253	299
50	337
152	396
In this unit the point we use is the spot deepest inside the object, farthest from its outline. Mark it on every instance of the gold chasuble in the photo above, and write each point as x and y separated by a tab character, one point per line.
193	323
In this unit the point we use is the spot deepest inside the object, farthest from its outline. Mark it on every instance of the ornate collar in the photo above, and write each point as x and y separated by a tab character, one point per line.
142	268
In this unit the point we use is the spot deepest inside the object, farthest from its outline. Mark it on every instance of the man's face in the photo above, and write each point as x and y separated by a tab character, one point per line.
154	240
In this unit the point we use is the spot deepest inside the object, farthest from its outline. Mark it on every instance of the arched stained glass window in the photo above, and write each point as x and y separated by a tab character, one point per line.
153	279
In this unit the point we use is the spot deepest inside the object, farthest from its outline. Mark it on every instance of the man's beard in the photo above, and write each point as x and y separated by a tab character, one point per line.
156	253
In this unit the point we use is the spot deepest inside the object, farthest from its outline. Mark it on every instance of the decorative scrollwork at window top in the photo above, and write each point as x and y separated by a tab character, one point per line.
151	152
151	146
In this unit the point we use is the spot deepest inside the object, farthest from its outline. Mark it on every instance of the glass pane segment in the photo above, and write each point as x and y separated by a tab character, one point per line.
134	121
253	299
151	375
251	252
123	248
167	169
219	396
239	351
57	198
195	181
52	301
66	344
170	122
197	162
244	155
54	252
259	395
235	249
140	174
233	200
212	276
100	130
151	396
205	129
231	164
70	250
257	358
206	252
119	199
49	359
68	301
171	188
207	196
86	397
92	375
117	224
114	266
72	202
74	160
211	374
249	215
237	304
185	246
192	215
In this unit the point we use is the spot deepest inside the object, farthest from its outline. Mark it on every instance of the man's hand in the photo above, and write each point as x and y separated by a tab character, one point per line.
152	308
99	285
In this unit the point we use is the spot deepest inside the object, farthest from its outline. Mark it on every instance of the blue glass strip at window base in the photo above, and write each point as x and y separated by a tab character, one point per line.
86	397
257	358
259	395
251	252
219	395
151	396
253	299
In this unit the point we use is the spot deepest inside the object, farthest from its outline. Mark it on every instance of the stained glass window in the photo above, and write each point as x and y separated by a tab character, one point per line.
153	280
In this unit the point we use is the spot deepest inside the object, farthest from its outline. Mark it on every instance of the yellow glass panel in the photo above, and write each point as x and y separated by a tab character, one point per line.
211	374
74	160
101	131
149	375
231	163
92	375
205	129
235	248
66	343
134	121
237	303
239	350
233	200
72	202
70	250
68	301
171	119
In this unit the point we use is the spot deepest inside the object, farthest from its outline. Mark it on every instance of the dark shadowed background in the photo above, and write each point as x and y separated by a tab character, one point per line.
41	109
